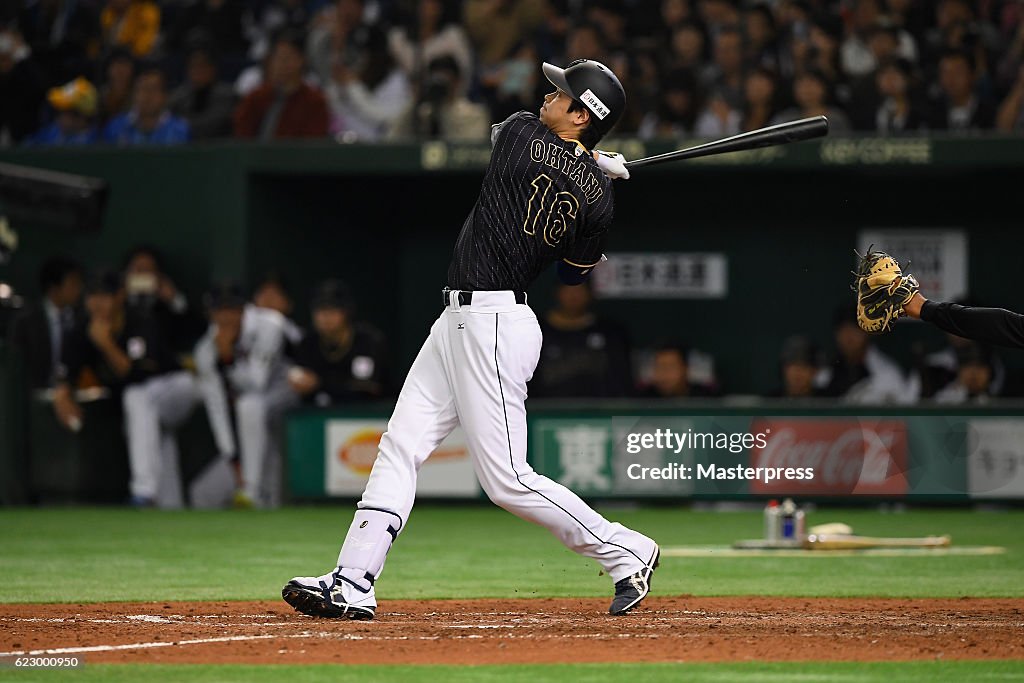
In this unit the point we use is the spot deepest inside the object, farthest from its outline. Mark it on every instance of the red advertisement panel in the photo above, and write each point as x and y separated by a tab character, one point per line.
849	456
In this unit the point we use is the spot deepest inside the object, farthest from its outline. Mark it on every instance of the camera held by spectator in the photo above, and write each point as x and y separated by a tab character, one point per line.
443	110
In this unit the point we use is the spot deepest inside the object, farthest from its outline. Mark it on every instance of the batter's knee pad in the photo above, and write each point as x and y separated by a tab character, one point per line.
369	538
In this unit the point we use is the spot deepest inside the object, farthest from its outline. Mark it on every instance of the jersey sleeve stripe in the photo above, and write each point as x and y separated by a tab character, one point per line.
580	265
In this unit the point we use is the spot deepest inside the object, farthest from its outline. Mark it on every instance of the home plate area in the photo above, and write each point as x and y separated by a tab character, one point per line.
553	630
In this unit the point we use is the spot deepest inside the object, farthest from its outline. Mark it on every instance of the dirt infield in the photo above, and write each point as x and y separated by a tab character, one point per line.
520	631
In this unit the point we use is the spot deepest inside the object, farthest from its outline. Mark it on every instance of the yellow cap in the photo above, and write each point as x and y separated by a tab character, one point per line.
78	95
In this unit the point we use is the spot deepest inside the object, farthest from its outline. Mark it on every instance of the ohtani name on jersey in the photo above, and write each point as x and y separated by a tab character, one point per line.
571	164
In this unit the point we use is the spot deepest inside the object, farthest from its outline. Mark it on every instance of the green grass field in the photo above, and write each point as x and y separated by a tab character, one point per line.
831	672
96	555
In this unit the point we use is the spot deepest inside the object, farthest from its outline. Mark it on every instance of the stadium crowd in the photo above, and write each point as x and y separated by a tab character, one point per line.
239	356
171	71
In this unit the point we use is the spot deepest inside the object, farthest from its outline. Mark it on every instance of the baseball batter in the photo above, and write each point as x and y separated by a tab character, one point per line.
544	199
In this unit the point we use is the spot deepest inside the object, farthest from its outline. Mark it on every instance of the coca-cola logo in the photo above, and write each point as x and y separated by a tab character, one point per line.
848	456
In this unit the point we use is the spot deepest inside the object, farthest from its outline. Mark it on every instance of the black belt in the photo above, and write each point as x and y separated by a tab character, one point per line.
466	298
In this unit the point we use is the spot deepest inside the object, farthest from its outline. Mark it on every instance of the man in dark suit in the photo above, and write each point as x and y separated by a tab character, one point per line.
960	107
37	333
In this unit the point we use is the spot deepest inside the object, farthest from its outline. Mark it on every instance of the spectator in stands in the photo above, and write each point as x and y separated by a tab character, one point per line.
670	373
676	113
337	37
284	106
820	50
860	373
609	16
511	85
497	29
74	123
149	122
203	101
645	87
975	379
243	379
1011	111
272	292
760	41
725	74
134	24
118	85
674	13
583	355
584	41
873	38
342	360
1012	61
799	363
38	331
955	21
21	89
760	99
219	20
897	110
718	14
64	37
959	107
433	35
911	16
687	48
718	118
367	101
266	20
811	92
443	111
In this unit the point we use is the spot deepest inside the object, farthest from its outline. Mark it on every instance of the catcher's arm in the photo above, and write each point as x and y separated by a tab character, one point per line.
989	325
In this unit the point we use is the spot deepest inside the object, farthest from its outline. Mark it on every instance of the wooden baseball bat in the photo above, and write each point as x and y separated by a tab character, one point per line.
846	542
779	134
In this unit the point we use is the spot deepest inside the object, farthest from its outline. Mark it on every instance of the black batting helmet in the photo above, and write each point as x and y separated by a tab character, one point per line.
595	86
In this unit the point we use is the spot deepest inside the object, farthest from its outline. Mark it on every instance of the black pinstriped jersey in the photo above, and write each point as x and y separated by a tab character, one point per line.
543	199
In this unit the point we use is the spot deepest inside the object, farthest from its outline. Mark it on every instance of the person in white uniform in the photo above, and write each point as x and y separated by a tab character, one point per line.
544	199
243	379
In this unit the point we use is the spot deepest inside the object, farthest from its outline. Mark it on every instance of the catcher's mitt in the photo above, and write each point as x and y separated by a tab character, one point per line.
882	291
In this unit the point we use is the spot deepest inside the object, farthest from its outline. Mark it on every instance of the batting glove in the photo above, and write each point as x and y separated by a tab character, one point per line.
613	164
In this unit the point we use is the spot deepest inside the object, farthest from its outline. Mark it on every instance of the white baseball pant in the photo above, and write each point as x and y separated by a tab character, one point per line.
473	370
153	410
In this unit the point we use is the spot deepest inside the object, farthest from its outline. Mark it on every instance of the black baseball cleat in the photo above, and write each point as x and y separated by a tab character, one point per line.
630	591
328	596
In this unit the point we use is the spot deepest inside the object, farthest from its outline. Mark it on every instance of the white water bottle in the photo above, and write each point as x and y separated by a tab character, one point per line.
771	521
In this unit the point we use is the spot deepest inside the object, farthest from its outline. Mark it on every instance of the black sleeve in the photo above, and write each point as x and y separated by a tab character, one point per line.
77	353
990	325
572	275
586	250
